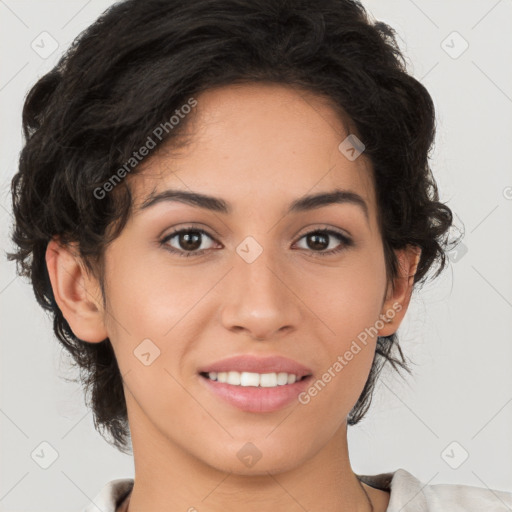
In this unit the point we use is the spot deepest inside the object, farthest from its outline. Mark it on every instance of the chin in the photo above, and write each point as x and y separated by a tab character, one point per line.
256	458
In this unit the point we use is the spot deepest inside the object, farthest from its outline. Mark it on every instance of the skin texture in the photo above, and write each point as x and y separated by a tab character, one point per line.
258	147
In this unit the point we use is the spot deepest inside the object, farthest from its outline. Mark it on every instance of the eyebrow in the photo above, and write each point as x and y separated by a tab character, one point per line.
216	204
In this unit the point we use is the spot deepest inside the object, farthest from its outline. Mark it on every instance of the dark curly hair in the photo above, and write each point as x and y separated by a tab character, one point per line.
139	62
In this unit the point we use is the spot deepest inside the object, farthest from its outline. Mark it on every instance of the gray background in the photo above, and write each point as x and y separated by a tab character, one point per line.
457	330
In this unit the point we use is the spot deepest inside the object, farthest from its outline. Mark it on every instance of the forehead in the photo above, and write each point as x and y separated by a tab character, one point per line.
264	144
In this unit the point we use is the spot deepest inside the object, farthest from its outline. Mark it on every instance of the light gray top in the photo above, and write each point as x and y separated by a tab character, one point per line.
407	494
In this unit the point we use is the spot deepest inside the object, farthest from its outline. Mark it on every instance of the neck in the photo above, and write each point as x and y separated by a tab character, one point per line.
169	478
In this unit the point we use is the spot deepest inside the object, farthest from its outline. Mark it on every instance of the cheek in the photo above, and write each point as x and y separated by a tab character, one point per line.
153	306
148	304
350	299
145	293
350	306
350	310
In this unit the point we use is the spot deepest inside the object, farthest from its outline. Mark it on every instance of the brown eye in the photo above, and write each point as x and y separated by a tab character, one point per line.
186	242
320	240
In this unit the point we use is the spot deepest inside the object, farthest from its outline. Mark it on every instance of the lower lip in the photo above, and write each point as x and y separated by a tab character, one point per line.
257	399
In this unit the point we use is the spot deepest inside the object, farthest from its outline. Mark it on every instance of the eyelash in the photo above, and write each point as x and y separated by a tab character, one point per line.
346	242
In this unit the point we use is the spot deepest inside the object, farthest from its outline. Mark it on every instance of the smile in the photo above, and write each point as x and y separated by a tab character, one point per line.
255	392
264	380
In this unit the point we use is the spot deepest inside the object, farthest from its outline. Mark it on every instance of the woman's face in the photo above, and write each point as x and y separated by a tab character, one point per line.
256	283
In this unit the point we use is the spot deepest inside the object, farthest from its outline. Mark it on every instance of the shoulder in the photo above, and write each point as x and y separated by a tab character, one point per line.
110	496
409	494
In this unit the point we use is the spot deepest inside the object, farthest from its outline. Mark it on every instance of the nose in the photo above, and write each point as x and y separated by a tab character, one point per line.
260	300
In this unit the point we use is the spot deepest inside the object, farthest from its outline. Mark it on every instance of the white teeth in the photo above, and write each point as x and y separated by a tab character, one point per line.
245	379
291	378
265	380
233	378
282	378
268	380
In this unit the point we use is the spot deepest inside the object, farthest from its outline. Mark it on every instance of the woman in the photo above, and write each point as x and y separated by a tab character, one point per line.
226	206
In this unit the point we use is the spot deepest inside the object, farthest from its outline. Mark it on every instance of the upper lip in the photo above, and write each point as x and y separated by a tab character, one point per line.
257	364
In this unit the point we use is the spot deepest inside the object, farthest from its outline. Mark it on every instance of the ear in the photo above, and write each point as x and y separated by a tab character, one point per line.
399	292
77	294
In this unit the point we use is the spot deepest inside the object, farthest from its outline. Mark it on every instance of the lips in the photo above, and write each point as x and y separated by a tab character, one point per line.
257	364
256	399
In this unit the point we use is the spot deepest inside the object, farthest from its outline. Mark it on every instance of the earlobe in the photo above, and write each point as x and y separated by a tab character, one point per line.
399	295
76	293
